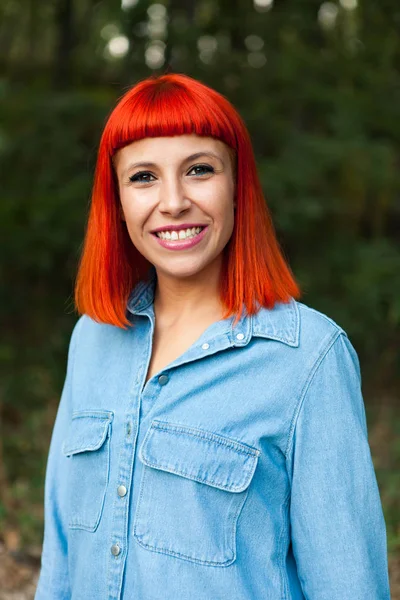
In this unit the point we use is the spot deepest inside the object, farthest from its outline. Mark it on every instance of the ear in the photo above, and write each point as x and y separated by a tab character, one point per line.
121	213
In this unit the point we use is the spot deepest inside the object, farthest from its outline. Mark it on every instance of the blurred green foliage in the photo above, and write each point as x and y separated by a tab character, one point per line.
319	88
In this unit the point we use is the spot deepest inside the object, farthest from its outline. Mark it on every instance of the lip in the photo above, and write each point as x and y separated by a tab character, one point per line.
182	244
178	227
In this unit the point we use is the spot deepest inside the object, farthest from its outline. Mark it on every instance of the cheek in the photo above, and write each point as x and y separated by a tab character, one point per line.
223	210
218	199
135	211
227	216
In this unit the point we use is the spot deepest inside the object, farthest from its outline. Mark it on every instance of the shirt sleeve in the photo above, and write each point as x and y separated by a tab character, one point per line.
53	583
338	530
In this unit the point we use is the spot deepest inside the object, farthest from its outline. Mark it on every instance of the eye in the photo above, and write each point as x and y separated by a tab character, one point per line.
141	177
202	169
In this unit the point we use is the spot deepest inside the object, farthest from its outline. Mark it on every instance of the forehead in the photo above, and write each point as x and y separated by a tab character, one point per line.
168	150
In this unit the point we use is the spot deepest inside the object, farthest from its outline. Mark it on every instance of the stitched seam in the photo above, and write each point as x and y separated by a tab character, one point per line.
224	335
277	338
184	556
284	579
69	451
169	428
233	539
105	415
190	476
289	339
95	446
212	343
78	326
143	288
306	386
320	314
75	523
173	552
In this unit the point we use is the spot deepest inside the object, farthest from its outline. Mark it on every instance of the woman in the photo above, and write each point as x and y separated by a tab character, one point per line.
211	439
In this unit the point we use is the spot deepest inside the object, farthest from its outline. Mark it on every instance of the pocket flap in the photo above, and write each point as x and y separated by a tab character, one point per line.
200	455
88	431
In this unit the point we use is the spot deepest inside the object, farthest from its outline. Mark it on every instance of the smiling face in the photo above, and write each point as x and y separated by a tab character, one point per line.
183	188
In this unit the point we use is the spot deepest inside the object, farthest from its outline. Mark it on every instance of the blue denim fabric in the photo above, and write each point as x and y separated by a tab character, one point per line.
241	471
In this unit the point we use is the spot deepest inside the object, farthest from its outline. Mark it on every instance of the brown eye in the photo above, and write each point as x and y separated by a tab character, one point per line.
141	177
202	169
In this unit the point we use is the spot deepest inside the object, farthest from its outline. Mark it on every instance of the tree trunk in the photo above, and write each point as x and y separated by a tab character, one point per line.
64	25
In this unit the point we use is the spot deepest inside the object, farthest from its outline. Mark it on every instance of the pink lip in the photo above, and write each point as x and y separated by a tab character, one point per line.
178	227
181	244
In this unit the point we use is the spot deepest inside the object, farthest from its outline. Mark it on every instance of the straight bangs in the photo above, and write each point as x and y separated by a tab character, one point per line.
169	109
254	272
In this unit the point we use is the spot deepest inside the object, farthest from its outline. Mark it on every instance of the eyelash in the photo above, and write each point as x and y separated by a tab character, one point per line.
135	178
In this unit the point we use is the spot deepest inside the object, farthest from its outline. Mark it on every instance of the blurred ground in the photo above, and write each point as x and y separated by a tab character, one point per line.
18	575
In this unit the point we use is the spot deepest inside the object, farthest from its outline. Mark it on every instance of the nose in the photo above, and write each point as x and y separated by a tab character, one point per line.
173	200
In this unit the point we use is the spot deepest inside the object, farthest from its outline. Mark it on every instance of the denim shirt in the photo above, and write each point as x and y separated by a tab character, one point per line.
241	471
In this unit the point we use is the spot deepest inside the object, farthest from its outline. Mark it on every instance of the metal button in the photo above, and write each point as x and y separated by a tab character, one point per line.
240	336
205	346
115	549
121	490
163	379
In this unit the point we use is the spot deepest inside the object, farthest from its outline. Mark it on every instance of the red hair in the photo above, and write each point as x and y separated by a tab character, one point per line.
254	270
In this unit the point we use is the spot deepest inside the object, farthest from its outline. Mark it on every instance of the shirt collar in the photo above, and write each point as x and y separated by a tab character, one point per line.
281	323
143	293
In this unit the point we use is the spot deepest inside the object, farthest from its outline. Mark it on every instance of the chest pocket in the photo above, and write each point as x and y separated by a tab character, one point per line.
87	446
193	487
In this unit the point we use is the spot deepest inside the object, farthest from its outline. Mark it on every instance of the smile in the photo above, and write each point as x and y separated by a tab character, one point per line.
180	239
181	234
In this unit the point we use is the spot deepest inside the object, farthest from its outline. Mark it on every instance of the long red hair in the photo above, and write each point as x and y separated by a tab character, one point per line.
254	271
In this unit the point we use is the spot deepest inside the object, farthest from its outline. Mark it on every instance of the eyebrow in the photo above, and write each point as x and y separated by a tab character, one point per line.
149	165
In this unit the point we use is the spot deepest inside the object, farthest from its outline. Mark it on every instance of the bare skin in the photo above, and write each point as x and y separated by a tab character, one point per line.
170	343
181	317
170	182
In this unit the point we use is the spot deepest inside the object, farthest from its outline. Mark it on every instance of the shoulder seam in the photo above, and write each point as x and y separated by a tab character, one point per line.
307	384
317	312
77	331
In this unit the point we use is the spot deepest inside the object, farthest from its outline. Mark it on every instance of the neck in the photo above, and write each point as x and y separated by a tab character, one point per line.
179	300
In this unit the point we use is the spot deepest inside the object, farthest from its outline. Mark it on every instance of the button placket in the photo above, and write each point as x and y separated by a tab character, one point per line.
119	532
121	491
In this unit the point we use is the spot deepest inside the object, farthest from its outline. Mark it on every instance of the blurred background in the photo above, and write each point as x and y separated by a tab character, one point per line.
318	85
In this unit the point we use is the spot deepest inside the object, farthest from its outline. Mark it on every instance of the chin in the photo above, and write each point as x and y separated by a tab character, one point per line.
182	271
179	273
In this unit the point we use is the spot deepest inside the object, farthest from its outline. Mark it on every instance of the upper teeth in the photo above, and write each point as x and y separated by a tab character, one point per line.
182	234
